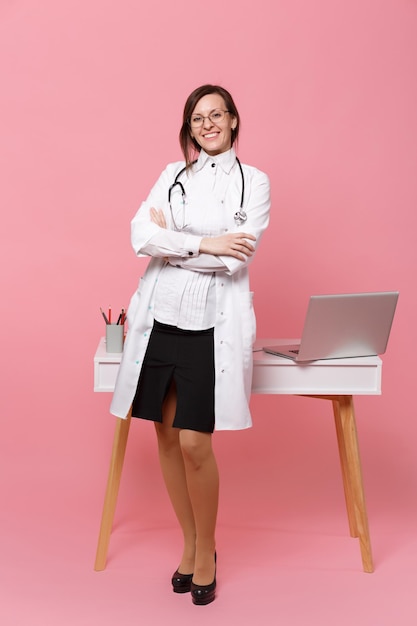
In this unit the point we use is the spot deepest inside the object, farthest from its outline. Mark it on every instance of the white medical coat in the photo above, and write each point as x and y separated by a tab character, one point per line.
235	327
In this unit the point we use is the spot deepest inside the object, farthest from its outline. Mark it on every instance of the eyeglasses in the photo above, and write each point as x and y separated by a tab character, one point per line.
216	116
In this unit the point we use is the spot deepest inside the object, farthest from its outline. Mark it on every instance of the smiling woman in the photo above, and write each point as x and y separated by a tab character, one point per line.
91	107
187	360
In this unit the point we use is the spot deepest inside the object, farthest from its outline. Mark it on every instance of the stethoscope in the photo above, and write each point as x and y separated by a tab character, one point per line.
240	216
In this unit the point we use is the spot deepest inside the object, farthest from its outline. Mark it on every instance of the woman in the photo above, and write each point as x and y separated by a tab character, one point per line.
187	360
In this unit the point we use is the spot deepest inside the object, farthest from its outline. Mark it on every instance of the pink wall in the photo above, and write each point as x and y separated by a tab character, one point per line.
91	95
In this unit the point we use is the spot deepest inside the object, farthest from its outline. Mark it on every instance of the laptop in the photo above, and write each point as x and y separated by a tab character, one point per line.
341	326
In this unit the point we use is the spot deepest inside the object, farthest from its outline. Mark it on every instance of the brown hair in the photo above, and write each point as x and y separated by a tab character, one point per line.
189	145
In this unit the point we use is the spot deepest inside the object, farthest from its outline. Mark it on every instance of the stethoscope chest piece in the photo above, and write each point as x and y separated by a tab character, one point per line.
240	217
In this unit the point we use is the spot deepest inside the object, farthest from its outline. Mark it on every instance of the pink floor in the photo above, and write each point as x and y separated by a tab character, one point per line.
284	554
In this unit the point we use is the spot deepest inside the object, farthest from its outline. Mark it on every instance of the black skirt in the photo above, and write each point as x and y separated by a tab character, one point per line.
185	358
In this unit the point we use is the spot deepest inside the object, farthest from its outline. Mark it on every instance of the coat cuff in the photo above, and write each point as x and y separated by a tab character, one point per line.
192	245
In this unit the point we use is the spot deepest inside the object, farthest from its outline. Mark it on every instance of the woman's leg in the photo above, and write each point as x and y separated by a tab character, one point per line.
203	489
173	471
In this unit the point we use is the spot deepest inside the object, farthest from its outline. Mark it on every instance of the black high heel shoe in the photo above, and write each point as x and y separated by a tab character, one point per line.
204	594
181	583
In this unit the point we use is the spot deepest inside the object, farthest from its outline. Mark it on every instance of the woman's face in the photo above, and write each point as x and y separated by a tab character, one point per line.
212	135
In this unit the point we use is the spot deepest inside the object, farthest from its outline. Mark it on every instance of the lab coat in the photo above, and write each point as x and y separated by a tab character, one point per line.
235	325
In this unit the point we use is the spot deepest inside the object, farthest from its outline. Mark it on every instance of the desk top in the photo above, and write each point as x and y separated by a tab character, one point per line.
277	375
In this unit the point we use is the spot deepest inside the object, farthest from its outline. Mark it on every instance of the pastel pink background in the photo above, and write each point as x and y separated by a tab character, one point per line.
91	95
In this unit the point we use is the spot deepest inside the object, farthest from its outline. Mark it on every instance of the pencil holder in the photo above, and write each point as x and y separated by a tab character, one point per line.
114	337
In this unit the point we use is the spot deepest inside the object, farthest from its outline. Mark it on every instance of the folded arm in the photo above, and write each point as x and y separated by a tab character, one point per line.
237	245
229	252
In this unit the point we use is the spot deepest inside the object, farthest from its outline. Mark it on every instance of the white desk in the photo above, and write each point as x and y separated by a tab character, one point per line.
335	380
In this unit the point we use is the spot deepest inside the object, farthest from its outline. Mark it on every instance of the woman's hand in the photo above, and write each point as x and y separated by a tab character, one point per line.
236	245
158	217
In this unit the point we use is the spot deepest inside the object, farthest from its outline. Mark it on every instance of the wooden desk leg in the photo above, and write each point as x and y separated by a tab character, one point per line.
344	414
112	490
345	471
